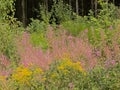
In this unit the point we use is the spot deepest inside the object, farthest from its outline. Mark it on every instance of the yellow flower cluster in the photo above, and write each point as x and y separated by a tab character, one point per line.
67	63
66	67
23	75
38	71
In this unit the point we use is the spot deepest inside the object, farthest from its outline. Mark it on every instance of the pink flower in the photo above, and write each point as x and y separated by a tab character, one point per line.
110	63
111	27
113	62
98	53
4	60
86	30
71	86
70	37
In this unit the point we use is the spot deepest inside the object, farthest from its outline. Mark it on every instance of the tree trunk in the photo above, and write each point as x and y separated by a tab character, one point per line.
96	4
24	12
70	3
92	5
46	5
113	1
82	7
77	7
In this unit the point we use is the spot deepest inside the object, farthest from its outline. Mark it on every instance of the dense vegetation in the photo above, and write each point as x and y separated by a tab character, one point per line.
60	50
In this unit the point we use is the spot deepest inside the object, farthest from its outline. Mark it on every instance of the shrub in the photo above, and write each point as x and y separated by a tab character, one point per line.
39	40
7	41
63	74
60	12
74	27
7	10
37	26
102	78
30	77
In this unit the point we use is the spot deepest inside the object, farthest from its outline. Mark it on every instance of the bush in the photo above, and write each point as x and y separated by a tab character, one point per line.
39	40
26	78
7	41
105	79
64	74
75	27
7	10
36	26
106	17
60	12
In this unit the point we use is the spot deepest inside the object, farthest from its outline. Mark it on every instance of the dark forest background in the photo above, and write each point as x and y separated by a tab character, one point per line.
26	9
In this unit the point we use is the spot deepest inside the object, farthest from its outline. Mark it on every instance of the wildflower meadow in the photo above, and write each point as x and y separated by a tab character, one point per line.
78	53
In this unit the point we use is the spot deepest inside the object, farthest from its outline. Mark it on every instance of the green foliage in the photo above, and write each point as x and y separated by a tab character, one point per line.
8	34
76	26
60	11
27	78
63	73
37	30
105	79
37	26
62	78
7	9
106	17
97	27
38	39
6	40
44	15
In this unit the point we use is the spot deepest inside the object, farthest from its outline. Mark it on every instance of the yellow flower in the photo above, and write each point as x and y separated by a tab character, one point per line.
3	78
60	67
38	71
43	79
67	63
22	75
54	75
66	72
77	66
